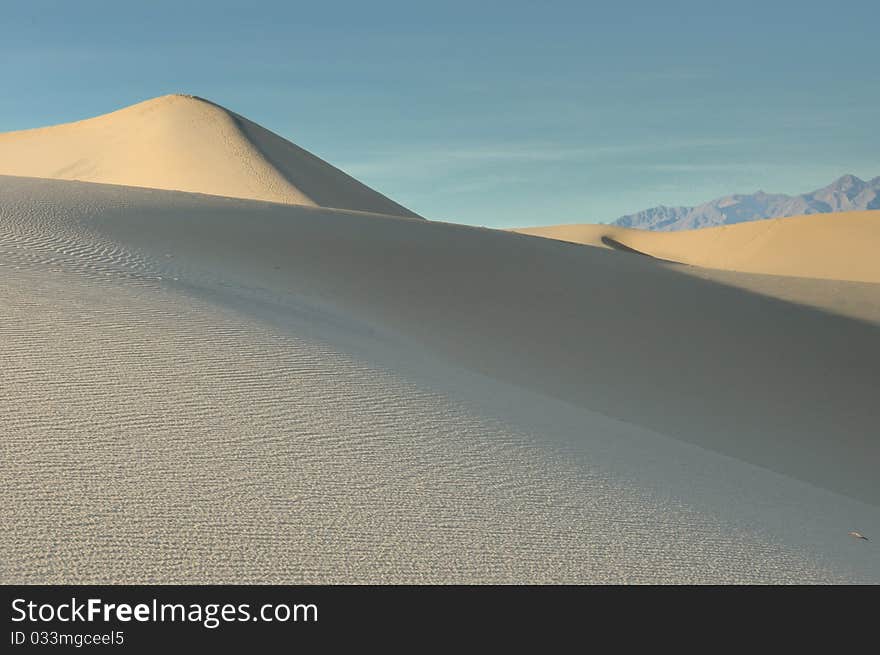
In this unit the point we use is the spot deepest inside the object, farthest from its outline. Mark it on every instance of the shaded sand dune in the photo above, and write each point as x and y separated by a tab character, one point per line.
189	144
201	389
841	246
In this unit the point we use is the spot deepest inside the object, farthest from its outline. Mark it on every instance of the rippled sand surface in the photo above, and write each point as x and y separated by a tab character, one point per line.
184	402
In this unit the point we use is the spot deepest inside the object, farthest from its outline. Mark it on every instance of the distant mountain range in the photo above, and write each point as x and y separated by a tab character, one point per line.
848	193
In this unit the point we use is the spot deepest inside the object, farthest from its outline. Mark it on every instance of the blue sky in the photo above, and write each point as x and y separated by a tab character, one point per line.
490	113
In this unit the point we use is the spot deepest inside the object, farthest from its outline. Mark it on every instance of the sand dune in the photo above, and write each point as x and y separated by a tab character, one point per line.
841	246
203	389
190	144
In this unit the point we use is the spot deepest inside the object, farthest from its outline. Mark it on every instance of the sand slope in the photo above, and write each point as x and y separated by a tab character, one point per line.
841	246
202	389
190	144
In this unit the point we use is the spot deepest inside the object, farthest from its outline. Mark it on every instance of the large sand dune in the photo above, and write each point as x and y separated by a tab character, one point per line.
189	144
838	246
202	389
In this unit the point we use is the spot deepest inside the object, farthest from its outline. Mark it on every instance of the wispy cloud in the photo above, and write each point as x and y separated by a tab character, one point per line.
703	167
672	75
482	183
413	163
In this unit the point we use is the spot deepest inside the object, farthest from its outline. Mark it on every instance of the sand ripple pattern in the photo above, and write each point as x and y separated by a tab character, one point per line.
50	238
151	435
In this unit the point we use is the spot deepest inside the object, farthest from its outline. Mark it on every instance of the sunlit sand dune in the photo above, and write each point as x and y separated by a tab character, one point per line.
206	389
841	246
189	144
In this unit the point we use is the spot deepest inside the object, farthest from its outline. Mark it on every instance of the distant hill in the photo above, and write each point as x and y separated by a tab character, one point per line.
848	193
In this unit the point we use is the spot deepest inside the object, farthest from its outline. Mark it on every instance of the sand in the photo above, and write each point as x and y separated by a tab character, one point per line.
836	246
267	374
190	144
200	389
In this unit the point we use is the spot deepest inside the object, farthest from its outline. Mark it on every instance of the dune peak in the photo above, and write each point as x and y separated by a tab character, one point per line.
183	142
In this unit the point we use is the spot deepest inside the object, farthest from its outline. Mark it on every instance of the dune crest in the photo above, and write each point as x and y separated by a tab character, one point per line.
185	143
839	246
